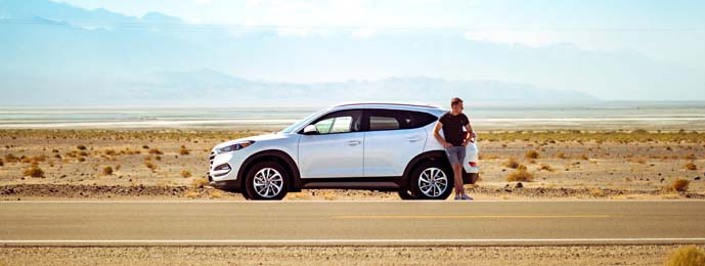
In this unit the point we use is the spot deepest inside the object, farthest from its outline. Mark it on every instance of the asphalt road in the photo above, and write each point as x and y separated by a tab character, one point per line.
350	223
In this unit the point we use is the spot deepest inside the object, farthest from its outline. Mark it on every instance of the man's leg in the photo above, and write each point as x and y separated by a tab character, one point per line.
457	171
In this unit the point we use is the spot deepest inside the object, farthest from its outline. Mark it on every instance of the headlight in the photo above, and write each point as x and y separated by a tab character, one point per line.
236	146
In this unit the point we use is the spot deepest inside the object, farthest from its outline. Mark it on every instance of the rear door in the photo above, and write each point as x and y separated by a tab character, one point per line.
392	139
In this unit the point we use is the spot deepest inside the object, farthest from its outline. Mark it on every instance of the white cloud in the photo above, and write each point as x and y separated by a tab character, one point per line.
204	2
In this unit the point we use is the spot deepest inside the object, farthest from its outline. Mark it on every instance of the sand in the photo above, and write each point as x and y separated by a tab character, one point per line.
169	164
555	255
173	164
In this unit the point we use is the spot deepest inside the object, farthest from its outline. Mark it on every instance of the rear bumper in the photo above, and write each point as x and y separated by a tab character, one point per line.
470	178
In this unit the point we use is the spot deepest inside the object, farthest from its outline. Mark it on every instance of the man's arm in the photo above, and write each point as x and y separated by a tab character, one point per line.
438	136
469	137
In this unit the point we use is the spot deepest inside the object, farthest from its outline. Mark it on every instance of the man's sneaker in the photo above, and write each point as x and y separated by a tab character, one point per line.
465	197
458	197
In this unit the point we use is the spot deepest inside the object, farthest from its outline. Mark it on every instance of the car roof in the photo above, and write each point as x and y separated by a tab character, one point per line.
392	106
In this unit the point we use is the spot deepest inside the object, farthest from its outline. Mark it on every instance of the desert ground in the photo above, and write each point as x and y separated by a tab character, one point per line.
171	164
572	255
516	165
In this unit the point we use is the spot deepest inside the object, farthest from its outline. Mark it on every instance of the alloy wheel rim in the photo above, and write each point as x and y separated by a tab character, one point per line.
268	182
433	182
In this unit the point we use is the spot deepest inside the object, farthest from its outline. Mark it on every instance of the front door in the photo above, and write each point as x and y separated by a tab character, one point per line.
337	149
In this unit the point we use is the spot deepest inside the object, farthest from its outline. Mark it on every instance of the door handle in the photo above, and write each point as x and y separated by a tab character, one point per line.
413	139
354	142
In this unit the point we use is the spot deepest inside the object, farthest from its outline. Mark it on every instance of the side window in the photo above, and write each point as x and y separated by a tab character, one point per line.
341	122
379	122
397	119
417	119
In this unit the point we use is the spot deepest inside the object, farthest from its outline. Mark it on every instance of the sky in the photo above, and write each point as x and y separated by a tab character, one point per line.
670	31
618	50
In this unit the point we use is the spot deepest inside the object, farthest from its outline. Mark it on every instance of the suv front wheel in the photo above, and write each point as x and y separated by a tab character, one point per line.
266	181
431	180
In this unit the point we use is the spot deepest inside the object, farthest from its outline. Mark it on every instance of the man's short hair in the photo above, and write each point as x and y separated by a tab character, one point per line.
455	101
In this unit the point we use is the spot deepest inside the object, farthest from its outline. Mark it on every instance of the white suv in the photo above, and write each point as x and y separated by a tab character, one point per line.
375	146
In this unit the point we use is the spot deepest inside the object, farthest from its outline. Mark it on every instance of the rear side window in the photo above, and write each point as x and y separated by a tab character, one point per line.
397	119
378	122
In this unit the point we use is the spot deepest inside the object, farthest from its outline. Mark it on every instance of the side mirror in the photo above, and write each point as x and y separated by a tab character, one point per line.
310	130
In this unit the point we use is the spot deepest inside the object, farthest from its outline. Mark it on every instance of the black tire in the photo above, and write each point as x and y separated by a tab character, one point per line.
443	178
263	180
406	194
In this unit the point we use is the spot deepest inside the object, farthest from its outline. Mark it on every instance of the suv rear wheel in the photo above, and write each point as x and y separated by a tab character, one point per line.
431	180
266	181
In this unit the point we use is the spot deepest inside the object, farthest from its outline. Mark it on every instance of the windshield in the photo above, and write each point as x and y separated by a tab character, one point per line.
290	129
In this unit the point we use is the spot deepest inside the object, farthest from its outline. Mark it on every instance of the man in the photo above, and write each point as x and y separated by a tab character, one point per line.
454	140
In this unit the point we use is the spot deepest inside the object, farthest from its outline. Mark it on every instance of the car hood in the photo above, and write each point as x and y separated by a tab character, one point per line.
258	138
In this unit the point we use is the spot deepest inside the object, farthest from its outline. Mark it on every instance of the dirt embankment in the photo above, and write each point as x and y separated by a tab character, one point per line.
561	255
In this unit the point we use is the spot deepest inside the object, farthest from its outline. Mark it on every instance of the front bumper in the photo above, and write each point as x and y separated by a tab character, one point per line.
227	185
234	161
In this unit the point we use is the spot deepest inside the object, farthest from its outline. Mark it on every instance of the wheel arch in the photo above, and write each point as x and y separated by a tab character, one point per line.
426	156
272	155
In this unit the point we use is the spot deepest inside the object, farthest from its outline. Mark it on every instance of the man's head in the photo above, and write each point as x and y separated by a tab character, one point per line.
456	105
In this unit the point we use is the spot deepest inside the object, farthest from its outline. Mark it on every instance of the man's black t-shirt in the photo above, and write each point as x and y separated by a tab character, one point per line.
453	128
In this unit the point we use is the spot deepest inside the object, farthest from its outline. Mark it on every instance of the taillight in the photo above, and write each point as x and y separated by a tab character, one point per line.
473	164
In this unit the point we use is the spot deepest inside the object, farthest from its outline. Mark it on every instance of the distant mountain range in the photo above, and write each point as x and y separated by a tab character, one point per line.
57	54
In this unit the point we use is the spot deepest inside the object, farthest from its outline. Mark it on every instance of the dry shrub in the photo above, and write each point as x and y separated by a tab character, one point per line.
686	256
691	166
185	173
110	152
107	170
546	167
215	194
183	150
2	163
191	194
680	185
81	159
511	163
585	157
690	157
521	174
145	147
532	154
199	182
597	193
117	167
155	151
34	171
11	158
561	155
151	165
487	156
81	147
